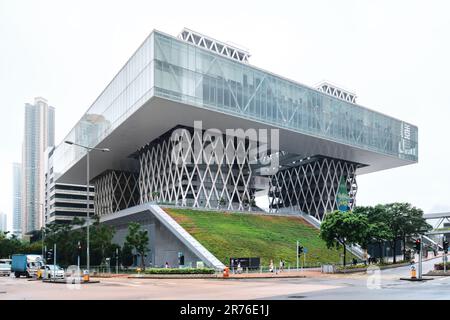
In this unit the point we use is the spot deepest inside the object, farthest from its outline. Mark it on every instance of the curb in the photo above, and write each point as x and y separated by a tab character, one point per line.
261	277
365	269
416	279
173	277
219	277
65	282
437	274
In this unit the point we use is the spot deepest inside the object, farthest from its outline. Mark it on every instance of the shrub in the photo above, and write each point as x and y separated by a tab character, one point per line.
179	271
440	266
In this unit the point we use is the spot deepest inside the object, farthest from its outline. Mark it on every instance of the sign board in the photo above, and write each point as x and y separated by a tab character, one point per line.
252	263
305	250
342	197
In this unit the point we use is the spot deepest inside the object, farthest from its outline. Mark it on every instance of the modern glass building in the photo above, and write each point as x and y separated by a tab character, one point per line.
325	138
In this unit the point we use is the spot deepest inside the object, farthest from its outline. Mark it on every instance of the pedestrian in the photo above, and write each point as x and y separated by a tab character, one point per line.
166	265
271	265
281	265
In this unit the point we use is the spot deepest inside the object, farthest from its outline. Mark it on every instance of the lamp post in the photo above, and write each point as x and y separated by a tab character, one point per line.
88	149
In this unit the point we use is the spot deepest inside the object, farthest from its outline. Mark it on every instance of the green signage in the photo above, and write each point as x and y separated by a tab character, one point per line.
342	197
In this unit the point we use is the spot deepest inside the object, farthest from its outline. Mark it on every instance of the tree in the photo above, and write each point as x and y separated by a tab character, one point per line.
404	220
138	240
378	231
101	241
9	245
155	195
126	255
61	235
344	228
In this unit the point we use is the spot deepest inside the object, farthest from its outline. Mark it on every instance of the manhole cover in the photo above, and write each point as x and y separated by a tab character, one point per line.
296	297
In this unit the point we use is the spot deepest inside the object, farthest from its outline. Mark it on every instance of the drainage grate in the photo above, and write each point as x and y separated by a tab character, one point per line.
296	297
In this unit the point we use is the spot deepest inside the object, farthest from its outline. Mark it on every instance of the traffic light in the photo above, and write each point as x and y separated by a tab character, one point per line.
79	248
417	245
445	246
299	250
49	256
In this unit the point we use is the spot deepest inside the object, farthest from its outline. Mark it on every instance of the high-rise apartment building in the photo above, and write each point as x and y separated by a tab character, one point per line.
17	199
3	222
39	134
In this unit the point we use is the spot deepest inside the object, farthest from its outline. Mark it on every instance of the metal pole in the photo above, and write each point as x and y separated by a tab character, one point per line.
87	212
117	260
420	258
297	255
444	256
43	231
78	262
54	262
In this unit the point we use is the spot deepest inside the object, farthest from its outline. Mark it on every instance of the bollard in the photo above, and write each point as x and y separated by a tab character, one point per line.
86	276
413	272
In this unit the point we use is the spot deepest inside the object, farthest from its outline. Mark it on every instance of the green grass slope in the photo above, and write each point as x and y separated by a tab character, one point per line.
250	235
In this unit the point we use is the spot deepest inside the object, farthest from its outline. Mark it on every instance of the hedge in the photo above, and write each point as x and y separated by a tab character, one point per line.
440	266
179	271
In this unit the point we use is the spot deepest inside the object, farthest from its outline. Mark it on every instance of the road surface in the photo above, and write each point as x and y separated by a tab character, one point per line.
385	285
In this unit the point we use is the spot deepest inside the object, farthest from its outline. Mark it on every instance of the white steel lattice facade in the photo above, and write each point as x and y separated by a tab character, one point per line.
337	92
114	191
188	180
211	44
312	187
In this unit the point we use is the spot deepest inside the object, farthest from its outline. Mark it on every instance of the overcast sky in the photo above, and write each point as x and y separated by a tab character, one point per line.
394	54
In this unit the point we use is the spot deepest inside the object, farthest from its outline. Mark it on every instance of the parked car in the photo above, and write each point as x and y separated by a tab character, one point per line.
50	271
5	269
8	261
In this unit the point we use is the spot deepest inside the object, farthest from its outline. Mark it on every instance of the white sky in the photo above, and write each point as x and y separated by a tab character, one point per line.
394	54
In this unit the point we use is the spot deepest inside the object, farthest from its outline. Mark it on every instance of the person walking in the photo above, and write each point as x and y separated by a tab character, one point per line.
271	265
281	265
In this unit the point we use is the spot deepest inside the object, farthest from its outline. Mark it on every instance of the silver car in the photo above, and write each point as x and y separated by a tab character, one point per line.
5	269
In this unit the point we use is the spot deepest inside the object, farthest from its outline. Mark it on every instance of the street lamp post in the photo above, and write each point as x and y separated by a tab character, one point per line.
88	149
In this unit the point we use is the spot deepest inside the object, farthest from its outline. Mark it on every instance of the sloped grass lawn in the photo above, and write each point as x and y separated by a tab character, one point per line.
250	235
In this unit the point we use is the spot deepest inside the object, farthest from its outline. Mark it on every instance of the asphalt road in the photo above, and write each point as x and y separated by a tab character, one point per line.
382	285
386	285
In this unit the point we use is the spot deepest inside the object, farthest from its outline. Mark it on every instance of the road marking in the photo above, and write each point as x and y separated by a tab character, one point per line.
122	284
